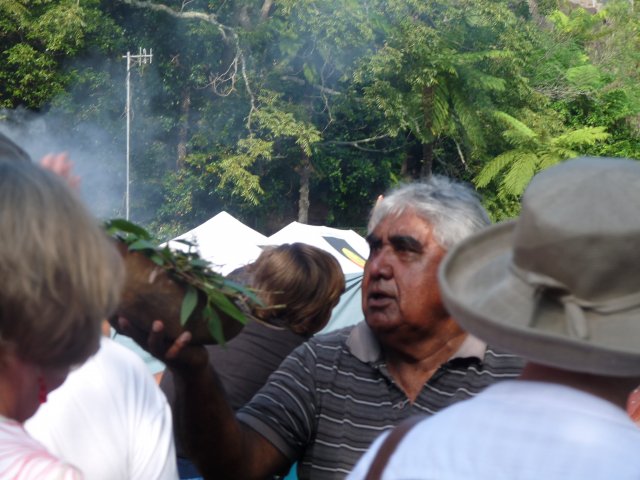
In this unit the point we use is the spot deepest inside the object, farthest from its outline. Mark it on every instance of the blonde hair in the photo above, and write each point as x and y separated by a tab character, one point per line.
304	280
62	274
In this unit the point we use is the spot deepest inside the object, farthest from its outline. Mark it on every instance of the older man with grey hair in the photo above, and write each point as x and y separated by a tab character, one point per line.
336	393
559	286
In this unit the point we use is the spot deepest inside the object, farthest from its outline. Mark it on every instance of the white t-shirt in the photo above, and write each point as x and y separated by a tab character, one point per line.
110	419
23	458
517	430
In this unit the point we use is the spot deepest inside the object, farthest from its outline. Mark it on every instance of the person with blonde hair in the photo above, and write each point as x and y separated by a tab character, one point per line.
299	285
63	276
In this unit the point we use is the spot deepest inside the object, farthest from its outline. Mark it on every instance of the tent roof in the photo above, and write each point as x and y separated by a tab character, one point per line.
224	241
349	248
228	243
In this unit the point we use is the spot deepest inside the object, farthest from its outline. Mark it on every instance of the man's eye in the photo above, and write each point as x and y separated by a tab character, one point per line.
374	244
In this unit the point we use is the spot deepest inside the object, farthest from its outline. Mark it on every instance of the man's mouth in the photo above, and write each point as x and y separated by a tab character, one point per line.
378	299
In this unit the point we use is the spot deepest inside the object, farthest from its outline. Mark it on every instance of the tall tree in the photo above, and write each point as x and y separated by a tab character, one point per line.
37	39
283	65
439	71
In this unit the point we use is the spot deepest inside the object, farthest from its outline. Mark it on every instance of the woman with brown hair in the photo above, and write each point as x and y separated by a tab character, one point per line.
299	285
62	277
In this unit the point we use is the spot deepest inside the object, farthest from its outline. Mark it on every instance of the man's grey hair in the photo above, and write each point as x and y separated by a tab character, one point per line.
452	208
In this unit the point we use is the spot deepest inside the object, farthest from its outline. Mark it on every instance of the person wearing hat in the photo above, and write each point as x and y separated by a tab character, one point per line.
559	286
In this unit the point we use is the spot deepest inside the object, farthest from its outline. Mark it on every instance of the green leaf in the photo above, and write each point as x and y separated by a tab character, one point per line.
200	262
120	224
520	174
243	290
309	73
141	245
189	303
493	168
157	259
585	77
195	274
215	325
226	306
185	242
581	136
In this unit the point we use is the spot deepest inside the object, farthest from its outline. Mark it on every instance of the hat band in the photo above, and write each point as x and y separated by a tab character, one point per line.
574	307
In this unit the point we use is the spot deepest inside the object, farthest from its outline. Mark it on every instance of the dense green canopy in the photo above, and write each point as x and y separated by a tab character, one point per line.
306	110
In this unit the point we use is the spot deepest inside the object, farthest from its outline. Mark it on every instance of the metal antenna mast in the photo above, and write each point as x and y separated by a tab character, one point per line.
139	59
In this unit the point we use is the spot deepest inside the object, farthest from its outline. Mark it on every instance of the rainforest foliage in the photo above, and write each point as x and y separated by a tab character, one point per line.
307	110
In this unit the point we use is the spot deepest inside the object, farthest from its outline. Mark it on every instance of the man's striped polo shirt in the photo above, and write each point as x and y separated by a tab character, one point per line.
333	396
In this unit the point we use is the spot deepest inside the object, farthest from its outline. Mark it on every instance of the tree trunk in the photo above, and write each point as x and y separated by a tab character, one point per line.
535	14
304	170
427	147
427	160
412	160
264	11
404	169
243	18
183	131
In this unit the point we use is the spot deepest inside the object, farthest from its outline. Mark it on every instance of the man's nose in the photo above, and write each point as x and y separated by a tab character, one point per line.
379	265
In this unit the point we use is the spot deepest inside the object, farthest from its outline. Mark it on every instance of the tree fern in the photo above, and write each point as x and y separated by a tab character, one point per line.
516	133
487	82
581	137
440	113
494	167
470	123
533	151
549	159
519	174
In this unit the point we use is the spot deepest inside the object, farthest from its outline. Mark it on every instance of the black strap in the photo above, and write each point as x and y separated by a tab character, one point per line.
389	445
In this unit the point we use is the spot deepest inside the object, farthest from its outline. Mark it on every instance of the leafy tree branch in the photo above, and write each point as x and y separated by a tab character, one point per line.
222	84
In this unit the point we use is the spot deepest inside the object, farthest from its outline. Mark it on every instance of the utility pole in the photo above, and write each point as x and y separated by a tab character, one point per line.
139	59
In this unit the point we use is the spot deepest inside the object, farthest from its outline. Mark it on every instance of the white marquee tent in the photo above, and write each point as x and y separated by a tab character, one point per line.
349	248
228	243
224	241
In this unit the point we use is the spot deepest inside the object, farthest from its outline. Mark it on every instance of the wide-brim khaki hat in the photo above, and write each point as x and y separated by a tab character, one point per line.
560	285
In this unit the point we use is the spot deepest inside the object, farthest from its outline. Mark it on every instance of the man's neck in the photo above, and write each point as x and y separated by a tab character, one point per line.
613	389
412	367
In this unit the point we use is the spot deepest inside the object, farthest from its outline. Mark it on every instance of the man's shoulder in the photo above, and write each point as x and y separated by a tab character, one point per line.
473	374
499	360
328	348
333	338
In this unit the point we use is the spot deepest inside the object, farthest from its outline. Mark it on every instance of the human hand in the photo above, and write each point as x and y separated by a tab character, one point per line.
177	354
60	164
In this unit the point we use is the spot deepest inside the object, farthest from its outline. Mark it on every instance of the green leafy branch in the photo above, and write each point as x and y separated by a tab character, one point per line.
194	273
